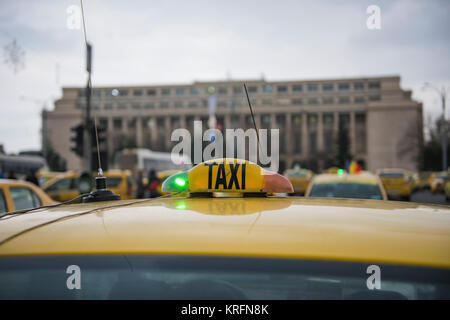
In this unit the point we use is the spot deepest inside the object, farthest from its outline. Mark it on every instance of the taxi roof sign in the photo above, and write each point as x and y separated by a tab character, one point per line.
227	175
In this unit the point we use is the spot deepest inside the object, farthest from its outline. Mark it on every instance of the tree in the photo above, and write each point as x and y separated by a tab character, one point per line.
431	152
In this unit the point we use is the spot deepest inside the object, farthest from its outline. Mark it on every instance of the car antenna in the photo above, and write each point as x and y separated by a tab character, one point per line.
253	118
101	193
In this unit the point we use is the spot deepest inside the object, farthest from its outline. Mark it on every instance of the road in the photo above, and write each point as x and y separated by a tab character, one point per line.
425	196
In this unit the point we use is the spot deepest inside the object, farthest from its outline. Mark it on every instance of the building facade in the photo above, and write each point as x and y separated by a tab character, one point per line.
383	123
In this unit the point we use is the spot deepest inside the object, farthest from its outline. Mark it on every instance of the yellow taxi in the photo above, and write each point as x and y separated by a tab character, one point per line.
299	178
397	182
19	195
65	186
235	247
438	181
45	176
363	185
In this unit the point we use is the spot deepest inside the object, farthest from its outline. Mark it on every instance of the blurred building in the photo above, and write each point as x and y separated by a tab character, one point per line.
384	124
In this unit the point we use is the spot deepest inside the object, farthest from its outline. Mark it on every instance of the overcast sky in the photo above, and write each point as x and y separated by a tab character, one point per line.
165	42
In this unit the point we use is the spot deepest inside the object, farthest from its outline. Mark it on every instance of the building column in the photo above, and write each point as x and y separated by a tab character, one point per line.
288	140
110	138
139	133
320	146
153	131
168	129
305	145
352	134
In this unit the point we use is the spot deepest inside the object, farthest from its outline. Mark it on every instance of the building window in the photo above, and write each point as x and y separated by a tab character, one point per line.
312	119
117	124
178	104
283	102
282	89
237	90
344	100
136	106
194	91
150	105
312	87
328	119
96	93
281	121
359	100
132	123
265	119
313	101
313	142
297	120
192	104
327	87
175	122
297	102
374	85
327	100
108	106
151	92
179	91
252	89
267	102
235	121
123	92
358	85
344	86
137	93
121	106
82	92
160	123
297	88
267	88
221	104
165	91
222	90
374	98
164	104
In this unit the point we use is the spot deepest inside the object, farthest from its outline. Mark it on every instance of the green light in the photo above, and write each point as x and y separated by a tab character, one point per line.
180	182
340	172
177	182
181	206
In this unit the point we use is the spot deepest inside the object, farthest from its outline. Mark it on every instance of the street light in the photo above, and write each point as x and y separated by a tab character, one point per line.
443	94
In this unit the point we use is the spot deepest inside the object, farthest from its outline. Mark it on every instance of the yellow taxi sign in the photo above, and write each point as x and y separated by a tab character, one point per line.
227	175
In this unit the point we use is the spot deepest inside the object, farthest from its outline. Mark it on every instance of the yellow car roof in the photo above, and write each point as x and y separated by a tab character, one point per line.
332	229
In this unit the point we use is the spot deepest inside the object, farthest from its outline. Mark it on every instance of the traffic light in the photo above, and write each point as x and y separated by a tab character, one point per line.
78	139
102	147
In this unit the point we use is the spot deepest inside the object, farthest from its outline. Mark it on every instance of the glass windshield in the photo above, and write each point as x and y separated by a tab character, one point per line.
196	277
346	190
391	175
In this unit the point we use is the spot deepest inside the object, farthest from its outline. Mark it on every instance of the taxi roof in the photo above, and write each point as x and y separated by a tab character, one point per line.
289	227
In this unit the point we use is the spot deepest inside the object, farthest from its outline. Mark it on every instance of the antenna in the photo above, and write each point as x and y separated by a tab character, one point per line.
101	193
251	111
100	171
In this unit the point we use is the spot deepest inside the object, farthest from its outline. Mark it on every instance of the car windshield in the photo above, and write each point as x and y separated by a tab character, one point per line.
353	190
391	175
200	277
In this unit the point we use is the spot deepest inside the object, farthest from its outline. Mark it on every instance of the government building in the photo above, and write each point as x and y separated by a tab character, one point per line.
383	124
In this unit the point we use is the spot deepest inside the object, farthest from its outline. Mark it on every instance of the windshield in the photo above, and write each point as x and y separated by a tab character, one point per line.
391	175
196	277
346	190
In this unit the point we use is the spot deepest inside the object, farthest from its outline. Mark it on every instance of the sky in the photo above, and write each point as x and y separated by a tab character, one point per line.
171	42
